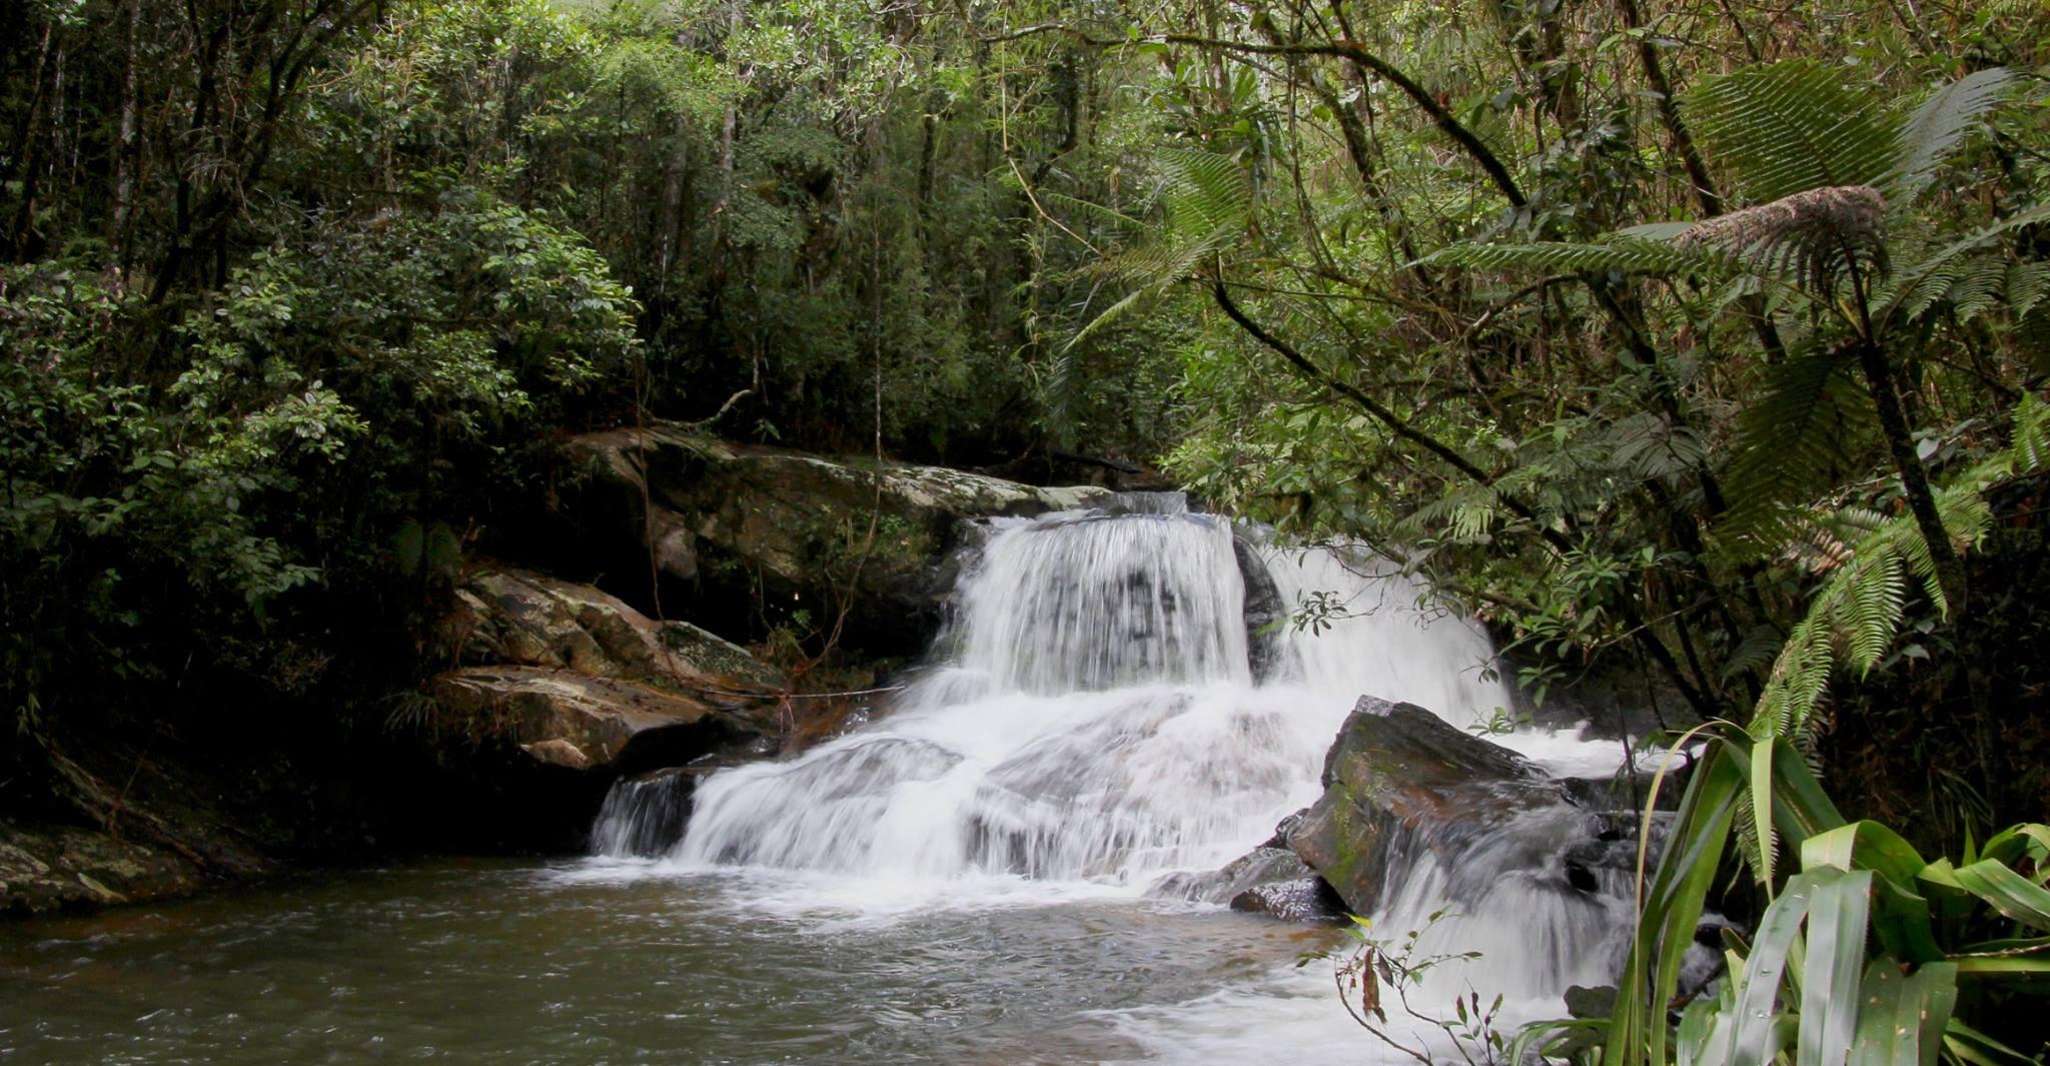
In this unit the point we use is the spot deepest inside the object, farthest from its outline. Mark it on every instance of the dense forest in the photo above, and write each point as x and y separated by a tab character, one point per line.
1698	349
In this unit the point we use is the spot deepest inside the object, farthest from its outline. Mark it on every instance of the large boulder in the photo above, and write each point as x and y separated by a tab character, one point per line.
574	678
1400	778
511	616
751	531
562	718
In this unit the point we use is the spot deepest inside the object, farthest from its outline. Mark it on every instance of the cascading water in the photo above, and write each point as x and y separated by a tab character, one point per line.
1093	718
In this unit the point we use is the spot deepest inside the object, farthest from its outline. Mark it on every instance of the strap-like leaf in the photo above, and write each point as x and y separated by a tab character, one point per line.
1672	908
1901	915
2009	893
1755	1039
1835	959
1901	1018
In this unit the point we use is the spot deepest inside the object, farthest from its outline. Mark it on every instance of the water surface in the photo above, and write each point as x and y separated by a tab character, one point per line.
586	962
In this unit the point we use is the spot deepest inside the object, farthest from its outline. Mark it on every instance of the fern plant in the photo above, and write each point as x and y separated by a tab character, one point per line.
1202	202
1834	177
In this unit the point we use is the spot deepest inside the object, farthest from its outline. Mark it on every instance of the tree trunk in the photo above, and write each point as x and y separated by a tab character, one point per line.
124	147
1893	422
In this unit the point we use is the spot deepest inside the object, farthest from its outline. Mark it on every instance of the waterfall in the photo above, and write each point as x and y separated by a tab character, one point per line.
1092	715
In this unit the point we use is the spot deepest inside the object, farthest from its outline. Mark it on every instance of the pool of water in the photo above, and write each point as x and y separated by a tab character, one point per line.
590	961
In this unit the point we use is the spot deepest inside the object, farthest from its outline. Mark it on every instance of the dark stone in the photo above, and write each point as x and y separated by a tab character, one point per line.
1304	899
1266	614
647	814
1398	778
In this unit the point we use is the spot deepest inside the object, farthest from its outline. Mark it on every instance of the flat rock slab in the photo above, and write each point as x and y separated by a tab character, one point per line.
61	868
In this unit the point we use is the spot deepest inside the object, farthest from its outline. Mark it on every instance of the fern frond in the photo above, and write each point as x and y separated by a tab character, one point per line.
1978	289
2029	447
1871	611
1205	200
1204	192
1934	129
1108	317
1907	284
1790	442
1648	445
1791	127
2026	284
1110	218
1620	256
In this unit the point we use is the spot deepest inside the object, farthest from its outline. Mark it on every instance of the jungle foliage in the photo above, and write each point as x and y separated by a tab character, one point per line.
1703	343
296	294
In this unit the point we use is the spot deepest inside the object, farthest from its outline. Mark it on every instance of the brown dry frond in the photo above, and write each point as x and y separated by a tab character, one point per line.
1815	235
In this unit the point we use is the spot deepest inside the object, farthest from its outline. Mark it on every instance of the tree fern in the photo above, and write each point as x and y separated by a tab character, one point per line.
1812	237
1856	614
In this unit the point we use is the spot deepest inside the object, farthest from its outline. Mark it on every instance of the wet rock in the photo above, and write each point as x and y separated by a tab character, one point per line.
645	815
1302	899
61	868
575	679
744	523
1266	613
1399	778
1263	865
506	616
1269	880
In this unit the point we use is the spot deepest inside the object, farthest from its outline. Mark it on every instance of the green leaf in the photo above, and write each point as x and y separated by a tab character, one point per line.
1672	909
1936	126
1977	1048
2010	893
407	546
1793	126
1755	1039
1901	1018
1835	958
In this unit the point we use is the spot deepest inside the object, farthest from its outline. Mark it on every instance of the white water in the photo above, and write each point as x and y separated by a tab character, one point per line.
1093	722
